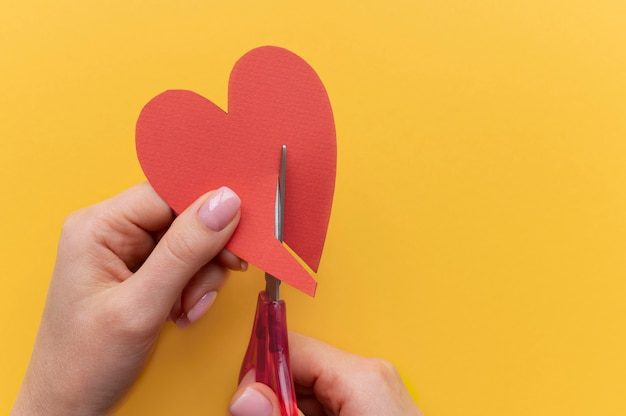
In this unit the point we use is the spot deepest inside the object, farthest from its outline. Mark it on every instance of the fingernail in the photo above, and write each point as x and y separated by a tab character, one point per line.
201	306
182	321
244	266
217	212
251	403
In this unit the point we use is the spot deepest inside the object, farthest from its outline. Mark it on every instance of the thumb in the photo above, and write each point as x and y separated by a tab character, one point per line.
255	399
195	237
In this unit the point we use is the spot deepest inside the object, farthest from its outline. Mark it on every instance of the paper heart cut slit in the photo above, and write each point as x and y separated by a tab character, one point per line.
187	146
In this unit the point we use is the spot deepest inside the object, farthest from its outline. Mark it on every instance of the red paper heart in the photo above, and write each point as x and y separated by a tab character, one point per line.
187	146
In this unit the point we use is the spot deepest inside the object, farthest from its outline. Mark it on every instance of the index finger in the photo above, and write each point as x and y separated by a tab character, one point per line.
319	366
141	206
126	225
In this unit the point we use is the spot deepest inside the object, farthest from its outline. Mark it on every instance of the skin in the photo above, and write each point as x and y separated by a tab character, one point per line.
330	381
124	268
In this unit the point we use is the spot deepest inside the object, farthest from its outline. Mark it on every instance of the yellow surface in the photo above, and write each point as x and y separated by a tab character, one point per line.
478	234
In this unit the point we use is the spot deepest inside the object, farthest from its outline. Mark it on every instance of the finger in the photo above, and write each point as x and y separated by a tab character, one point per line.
140	205
249	378
321	368
346	382
310	406
310	358
176	311
195	237
122	228
255	399
199	294
229	260
132	218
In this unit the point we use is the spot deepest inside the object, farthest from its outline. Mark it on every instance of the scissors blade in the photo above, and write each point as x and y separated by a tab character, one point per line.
272	284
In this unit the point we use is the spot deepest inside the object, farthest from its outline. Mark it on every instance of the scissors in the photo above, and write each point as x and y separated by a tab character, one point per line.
268	350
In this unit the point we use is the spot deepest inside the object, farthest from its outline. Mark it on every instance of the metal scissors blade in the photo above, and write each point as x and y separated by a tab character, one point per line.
272	284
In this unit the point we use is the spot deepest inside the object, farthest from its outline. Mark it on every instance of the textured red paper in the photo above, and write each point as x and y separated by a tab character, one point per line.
188	146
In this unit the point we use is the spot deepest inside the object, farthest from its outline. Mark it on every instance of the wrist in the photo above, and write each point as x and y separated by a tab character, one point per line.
41	399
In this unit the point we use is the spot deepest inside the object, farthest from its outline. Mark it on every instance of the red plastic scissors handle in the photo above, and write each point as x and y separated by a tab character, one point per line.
268	352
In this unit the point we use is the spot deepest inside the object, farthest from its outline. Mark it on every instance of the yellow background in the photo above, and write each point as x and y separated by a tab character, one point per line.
478	234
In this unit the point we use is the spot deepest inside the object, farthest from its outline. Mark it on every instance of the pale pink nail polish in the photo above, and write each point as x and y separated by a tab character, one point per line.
201	306
182	321
219	210
251	403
